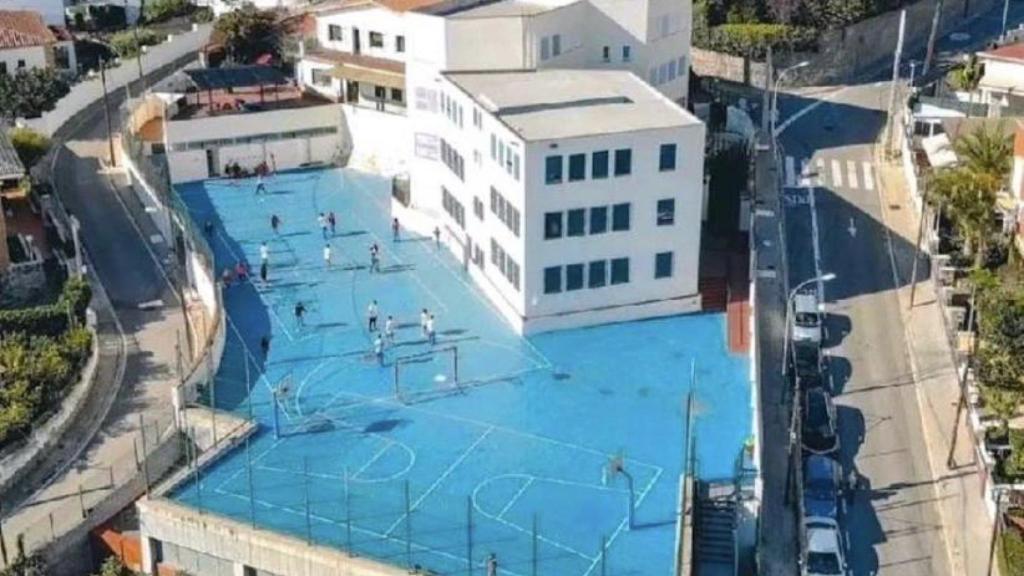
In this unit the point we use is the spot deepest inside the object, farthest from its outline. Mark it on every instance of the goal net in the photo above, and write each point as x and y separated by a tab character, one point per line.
419	377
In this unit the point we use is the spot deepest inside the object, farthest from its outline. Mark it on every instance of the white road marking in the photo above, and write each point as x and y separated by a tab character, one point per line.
790	172
837	174
869	176
820	177
851	173
815	246
810	107
852	229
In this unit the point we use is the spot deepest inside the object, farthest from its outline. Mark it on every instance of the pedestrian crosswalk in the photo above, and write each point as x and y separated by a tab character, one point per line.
828	173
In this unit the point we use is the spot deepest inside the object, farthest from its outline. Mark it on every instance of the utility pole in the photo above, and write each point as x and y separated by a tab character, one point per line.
106	111
930	53
1006	15
138	48
895	79
917	245
765	100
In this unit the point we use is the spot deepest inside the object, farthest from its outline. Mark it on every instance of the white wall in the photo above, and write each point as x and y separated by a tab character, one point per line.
304	73
1003	73
32	56
90	90
372	19
190	164
379	142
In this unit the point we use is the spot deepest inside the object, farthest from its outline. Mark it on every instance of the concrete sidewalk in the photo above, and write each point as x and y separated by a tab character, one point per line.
965	522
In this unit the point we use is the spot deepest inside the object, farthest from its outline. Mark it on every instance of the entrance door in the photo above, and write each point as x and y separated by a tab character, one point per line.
211	162
351	91
355	41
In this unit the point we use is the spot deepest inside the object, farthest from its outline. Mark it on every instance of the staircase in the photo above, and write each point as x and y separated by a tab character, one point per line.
714	293
714	552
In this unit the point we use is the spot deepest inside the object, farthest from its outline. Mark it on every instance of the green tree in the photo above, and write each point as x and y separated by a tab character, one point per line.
113	566
1000	360
29	93
986	151
30	145
1002	404
163	10
126	44
248	33
969	198
966	76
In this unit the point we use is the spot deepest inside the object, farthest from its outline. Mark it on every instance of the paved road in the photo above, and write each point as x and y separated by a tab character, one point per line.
834	224
131	277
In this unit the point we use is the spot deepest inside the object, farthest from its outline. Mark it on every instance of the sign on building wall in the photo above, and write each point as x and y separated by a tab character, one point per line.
427	146
426	99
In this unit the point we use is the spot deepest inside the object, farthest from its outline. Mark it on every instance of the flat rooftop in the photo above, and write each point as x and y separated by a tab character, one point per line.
508	8
204	104
520	429
552	104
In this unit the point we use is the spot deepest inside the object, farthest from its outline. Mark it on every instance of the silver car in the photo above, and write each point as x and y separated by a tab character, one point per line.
825	556
806	318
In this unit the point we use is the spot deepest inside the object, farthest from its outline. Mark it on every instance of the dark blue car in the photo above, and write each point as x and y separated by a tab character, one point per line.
822	482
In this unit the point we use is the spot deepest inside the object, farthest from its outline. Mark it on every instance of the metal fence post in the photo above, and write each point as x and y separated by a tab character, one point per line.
53	530
145	452
469	535
81	500
195	472
111	470
3	542
604	559
348	516
252	492
135	449
533	551
408	527
213	398
305	496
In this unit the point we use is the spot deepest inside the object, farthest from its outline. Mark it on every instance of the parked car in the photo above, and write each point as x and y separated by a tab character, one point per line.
825	549
819	431
806	318
823	480
808	367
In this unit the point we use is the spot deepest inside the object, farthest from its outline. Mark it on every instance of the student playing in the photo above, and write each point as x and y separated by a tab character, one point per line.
378	350
424	316
300	311
327	255
261	188
374	258
264	253
263	272
241	271
371	316
394	229
265	346
322	221
492	565
431	335
437	238
275	223
389	329
332	221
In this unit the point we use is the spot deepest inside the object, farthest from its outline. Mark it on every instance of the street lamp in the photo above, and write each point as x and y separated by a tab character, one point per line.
827	277
775	91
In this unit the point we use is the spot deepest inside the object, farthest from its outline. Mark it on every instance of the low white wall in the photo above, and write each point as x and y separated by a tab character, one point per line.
157	212
90	90
262	550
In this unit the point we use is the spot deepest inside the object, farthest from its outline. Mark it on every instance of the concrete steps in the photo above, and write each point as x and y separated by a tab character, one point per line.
714	293
715	525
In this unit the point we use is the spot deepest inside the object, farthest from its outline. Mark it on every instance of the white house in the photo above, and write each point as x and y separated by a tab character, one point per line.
27	42
574	197
1002	84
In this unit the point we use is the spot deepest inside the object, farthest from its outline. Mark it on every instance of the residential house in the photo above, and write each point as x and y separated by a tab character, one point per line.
1002	84
27	42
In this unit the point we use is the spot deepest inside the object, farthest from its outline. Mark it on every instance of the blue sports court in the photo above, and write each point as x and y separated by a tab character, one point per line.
481	442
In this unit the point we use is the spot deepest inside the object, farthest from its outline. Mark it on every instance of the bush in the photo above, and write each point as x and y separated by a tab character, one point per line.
52	319
1011	553
30	145
202	15
125	44
162	10
752	40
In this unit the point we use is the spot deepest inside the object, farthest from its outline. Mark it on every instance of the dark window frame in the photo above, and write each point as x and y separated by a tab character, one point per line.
617	211
667	157
618	271
603	220
574	277
551	174
577	167
575	222
551	233
666	212
623	162
597	274
659	265
599	159
553	280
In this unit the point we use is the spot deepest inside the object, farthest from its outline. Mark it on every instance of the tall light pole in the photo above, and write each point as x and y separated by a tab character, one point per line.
1006	15
775	92
138	47
106	110
826	277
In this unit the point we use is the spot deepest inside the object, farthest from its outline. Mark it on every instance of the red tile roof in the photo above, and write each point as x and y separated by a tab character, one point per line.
23	28
393	5
1008	52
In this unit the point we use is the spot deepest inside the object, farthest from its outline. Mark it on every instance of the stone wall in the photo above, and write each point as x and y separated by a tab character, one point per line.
846	54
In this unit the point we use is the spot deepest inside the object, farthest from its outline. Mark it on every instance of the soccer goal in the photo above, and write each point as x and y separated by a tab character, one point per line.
427	375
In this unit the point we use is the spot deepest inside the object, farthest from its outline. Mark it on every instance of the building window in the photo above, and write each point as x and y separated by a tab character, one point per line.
666	212
334	32
553	280
478	207
545	48
396	95
478	119
626	54
399	43
606	54
576	224
453	160
453	207
598	219
577	167
509	267
478	256
667	158
620	217
553	170
556	44
662	265
573	277
599	165
623	162
320	77
505	211
597	275
376	40
552	225
620	270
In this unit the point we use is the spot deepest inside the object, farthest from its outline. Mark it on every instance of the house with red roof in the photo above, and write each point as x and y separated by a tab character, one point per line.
27	42
1002	85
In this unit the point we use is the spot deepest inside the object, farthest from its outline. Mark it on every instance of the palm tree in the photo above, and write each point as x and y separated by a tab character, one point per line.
970	198
966	78
987	151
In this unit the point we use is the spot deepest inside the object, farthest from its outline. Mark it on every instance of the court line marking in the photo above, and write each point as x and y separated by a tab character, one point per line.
305	380
355	528
372	461
622	525
451	468
515	498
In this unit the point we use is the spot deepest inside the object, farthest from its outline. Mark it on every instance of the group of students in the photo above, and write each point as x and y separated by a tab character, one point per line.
387	337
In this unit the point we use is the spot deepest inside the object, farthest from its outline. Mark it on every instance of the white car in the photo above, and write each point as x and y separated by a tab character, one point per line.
825	556
806	318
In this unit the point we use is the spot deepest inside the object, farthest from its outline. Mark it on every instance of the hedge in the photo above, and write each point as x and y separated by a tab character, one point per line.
752	40
1011	553
124	43
51	319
